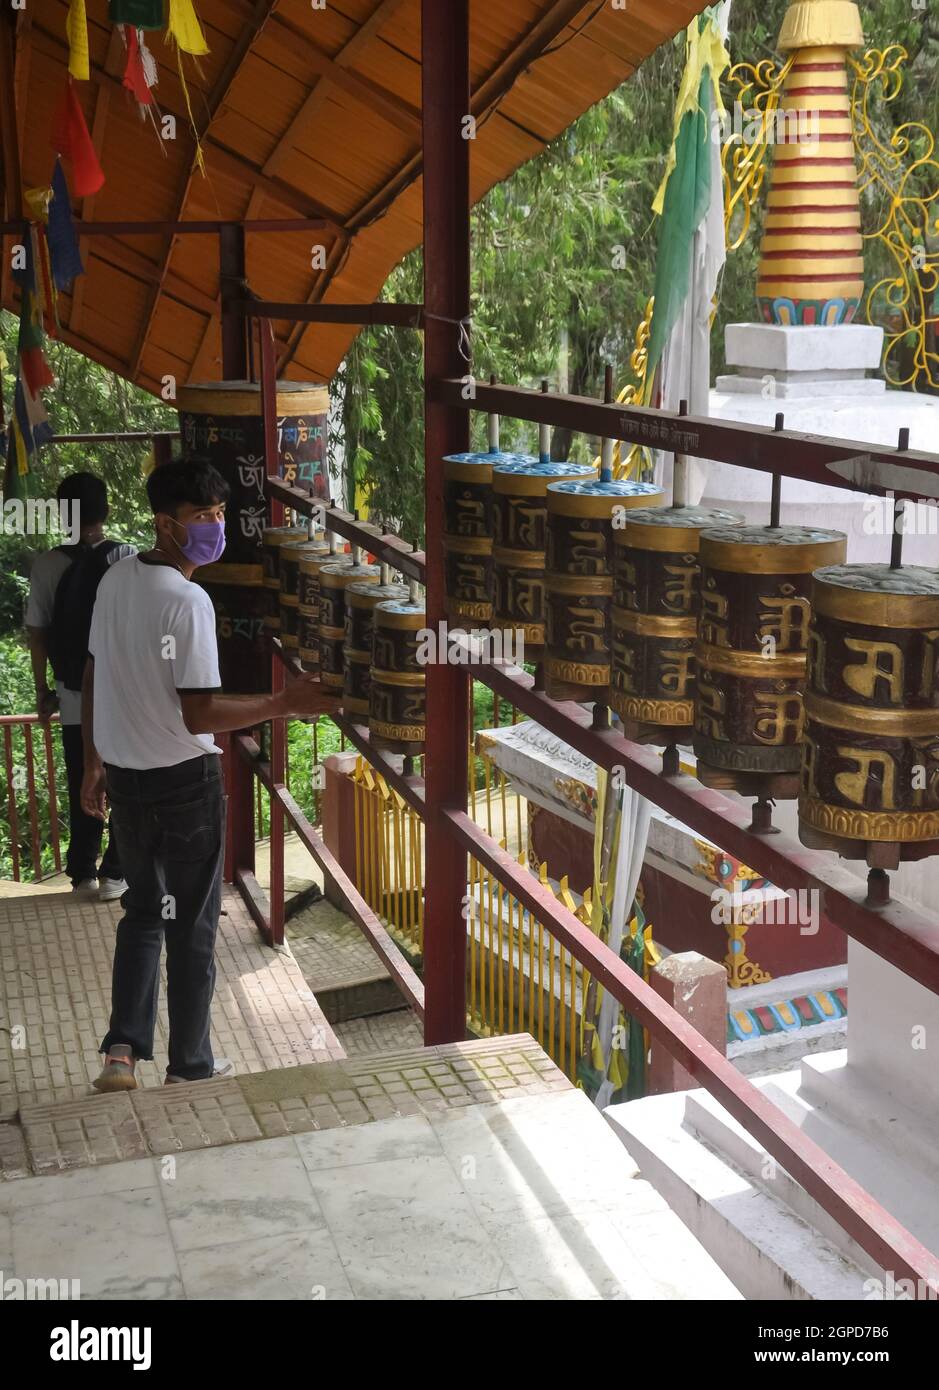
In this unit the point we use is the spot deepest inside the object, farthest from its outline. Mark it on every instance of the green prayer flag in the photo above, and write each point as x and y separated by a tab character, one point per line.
140	14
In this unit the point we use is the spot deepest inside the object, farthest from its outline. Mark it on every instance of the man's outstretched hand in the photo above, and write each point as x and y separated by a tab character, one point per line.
305	698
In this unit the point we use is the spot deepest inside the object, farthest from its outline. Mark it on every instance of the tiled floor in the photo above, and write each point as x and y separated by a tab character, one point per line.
55	981
531	1197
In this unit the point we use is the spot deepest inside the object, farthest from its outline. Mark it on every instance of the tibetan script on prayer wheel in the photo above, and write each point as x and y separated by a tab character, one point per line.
361	602
579	582
870	761
397	702
753	632
273	539
468	532
656	600
520	526
334	581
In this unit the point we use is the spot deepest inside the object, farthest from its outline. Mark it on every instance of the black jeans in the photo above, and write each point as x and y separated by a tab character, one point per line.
84	832
170	826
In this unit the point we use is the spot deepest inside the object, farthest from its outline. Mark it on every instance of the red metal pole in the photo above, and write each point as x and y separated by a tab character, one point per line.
239	780
278	673
446	103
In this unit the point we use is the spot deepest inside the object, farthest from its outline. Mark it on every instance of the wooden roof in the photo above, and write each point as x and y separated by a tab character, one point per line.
303	112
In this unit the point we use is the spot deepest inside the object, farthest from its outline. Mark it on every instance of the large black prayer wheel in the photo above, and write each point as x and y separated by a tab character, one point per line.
397	701
656	601
361	602
468	532
752	640
579	582
870	761
241	610
520	515
334	581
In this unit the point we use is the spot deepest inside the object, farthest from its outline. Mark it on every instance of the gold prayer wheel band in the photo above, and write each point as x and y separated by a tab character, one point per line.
413	622
332	634
312	564
466	611
331	680
672	713
307	611
600	504
857	719
730	661
289	600
533	634
519	559
464	472
399	733
650	625
468	545
409	678
351	705
873	608
276	536
902	827
357	658
578	672
244	398
578	584
673	539
245	576
352	575
523	484
739	557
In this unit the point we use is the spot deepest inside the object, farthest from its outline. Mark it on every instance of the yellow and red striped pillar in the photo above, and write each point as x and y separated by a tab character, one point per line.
811	261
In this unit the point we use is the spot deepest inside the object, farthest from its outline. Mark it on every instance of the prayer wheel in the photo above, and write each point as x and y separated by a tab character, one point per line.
289	557
870	760
579	582
222	423
273	539
656	601
750	654
397	701
468	532
520	515
361	602
334	581
308	608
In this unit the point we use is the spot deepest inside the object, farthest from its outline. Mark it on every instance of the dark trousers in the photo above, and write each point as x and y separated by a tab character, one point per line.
84	832
170	824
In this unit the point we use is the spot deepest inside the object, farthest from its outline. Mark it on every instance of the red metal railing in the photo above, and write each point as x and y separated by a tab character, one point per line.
19	762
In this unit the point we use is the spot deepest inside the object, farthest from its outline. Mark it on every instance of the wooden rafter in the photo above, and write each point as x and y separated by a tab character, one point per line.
303	121
261	13
9	139
553	21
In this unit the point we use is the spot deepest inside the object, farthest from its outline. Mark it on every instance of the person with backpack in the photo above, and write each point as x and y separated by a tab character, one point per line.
63	585
153	708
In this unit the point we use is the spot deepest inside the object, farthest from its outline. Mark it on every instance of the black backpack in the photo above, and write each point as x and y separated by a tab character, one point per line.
72	609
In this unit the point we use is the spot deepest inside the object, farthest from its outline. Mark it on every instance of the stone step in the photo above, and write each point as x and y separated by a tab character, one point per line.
339	965
96	1129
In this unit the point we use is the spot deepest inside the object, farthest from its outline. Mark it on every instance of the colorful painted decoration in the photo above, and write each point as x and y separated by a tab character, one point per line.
185	28
71	140
60	233
135	74
811	260
139	14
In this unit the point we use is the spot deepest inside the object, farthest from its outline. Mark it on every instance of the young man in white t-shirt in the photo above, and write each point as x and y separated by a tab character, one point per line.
87	494
151	705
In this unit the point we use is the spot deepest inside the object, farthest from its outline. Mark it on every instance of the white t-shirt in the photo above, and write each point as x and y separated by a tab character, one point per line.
152	636
47	569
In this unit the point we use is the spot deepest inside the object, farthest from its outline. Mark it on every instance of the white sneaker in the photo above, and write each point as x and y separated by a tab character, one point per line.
111	888
87	887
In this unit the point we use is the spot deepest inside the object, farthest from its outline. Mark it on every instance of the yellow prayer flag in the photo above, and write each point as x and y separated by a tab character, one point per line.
185	27
76	27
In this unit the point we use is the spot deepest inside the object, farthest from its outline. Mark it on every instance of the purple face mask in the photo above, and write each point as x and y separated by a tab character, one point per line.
204	543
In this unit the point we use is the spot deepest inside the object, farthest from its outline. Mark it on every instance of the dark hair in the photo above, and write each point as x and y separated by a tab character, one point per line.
172	484
89	493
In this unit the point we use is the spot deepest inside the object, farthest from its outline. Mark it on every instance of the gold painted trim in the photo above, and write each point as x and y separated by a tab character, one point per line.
590	584
208	398
533	633
577	672
593	505
339	578
889	723
467	472
463	609
673	540
536	484
866	608
248	576
332	634
518	559
902	827
652	625
733	557
289	600
468	545
406	678
729	661
674	713
356	657
399	733
351	704
312	564
410	622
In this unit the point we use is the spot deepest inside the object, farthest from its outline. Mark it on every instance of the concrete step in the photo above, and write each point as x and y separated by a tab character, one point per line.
339	965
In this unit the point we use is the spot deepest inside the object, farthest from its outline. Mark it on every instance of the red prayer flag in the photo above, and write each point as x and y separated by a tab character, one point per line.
135	79
71	139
